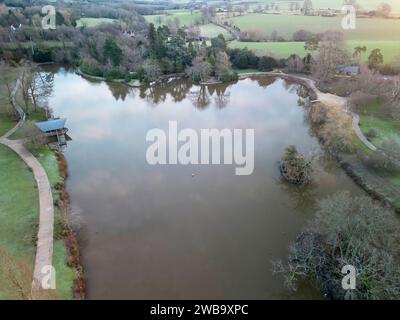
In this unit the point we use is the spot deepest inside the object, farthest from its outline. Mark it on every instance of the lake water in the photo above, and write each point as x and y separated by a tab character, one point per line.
196	231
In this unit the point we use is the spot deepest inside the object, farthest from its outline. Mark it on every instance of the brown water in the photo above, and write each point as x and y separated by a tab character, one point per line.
180	232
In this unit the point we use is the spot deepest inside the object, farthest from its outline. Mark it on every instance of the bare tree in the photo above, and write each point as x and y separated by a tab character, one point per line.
307	7
384	9
332	53
40	88
222	65
200	70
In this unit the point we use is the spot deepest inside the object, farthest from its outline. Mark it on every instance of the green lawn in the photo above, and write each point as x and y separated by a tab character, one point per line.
92	22
185	17
26	130
390	49
372	117
211	30
6	124
384	127
18	215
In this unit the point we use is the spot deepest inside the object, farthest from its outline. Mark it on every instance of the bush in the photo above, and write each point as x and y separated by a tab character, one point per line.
294	167
333	127
267	64
41	56
353	231
372	133
243	58
131	76
233	76
114	74
359	100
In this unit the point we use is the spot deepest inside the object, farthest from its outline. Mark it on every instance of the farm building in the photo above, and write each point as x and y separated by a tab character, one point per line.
348	70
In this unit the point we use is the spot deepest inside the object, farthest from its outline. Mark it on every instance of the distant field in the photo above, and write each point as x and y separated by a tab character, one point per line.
390	49
92	22
334	4
185	17
286	25
211	31
280	49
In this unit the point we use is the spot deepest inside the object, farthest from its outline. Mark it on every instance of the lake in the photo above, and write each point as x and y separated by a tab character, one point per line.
186	231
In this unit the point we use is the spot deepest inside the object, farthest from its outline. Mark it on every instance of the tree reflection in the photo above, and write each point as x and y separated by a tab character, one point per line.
201	96
264	81
200	99
222	97
159	92
118	90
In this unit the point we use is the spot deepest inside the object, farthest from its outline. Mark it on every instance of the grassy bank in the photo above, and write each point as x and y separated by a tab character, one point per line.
65	275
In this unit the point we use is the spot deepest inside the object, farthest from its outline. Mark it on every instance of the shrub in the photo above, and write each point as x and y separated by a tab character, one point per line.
359	100
267	64
294	167
131	76
372	133
353	231
333	127
113	74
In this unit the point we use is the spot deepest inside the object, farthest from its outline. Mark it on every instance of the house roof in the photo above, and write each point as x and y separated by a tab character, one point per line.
51	125
348	69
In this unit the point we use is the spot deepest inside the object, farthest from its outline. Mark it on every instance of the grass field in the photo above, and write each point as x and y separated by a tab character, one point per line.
286	25
211	30
186	18
390	49
334	4
92	22
18	212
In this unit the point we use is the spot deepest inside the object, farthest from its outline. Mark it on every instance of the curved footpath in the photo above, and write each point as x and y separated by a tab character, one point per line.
325	98
44	246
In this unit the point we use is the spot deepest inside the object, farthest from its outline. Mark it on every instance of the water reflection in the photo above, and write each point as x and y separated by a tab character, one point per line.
185	231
